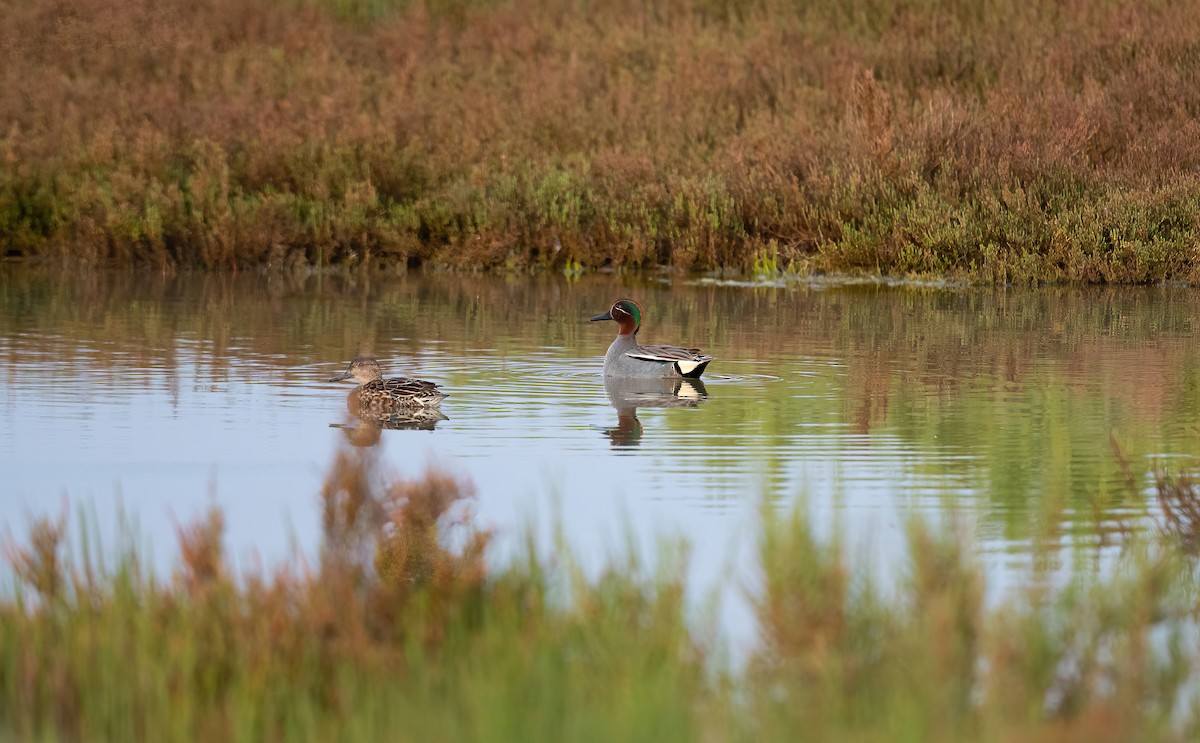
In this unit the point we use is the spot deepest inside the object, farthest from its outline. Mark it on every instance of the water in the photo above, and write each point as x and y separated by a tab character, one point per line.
999	410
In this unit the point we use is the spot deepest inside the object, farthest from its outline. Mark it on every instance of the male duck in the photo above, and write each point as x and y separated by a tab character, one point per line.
377	394
626	358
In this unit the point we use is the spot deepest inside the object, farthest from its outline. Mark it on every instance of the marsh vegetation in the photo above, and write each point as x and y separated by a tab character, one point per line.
996	141
401	628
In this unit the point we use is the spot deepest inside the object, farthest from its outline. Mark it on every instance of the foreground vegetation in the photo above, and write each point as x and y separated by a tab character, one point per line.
393	633
983	139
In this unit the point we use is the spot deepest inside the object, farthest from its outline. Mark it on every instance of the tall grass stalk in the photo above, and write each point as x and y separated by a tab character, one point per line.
392	633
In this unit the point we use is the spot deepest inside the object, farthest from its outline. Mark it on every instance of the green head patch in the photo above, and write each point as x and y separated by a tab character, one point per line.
627	307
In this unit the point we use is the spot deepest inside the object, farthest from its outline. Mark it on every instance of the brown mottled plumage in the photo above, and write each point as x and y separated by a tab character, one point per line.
376	393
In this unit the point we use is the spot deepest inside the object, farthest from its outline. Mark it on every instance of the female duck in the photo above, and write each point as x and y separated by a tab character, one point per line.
627	359
376	393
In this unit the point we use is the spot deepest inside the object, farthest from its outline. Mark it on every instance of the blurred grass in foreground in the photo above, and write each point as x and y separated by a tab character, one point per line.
395	634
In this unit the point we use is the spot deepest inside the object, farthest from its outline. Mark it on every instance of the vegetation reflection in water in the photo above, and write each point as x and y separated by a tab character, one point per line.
999	403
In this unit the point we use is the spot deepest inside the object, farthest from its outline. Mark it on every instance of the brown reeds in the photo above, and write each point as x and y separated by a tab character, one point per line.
1179	503
41	565
386	577
1034	142
402	629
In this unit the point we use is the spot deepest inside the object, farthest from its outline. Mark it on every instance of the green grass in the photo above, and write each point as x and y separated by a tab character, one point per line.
392	634
981	140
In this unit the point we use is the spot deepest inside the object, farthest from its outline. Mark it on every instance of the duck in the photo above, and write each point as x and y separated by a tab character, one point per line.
374	393
628	359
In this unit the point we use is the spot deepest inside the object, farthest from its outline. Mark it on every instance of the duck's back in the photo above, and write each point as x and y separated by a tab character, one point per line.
687	362
400	391
626	358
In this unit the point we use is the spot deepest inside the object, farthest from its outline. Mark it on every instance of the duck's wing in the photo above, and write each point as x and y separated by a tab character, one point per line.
406	384
690	362
403	388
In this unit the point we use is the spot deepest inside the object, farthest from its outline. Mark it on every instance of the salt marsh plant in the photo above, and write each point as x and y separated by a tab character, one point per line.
401	628
906	139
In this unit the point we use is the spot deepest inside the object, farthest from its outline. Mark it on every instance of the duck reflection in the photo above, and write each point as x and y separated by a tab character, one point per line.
364	428
627	395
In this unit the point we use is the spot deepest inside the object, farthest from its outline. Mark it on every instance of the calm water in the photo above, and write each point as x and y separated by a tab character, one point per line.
161	395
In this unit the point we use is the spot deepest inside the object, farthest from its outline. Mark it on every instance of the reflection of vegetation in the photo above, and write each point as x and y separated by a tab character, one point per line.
843	135
393	633
1011	394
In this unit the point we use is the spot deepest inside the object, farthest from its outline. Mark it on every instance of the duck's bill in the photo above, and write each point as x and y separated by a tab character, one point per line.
340	377
605	316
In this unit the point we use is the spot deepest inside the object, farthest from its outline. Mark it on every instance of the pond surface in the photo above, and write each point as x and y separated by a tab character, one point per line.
998	408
